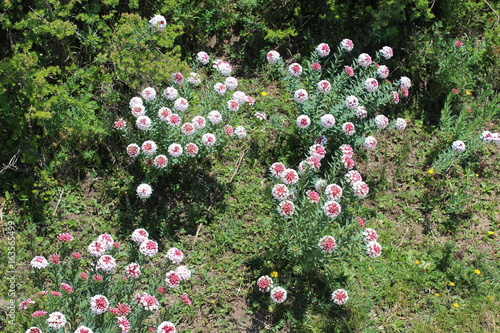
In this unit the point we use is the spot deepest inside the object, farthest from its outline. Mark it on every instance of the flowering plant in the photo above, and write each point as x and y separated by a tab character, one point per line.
193	116
106	289
317	227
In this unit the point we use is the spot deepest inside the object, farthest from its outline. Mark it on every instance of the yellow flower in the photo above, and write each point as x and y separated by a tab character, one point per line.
430	171
417	262
437	295
456	305
477	271
263	93
274	274
490	298
491	232
270	308
468	92
452	284
477	175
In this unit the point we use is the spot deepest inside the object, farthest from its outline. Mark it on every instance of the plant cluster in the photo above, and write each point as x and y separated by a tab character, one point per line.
111	287
317	227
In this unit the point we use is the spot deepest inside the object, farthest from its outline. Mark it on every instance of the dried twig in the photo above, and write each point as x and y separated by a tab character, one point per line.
58	202
236	168
12	162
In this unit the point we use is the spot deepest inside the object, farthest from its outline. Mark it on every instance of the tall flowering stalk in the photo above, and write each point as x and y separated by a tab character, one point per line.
104	288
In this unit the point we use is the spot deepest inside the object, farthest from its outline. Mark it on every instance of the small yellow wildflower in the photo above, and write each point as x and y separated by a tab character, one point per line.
452	284
270	308
456	305
437	295
477	271
430	171
417	262
212	301
490	298
468	92
477	175
263	93
491	232
274	274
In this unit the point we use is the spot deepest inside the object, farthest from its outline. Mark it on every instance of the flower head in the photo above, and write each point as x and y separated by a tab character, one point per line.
39	262
278	295
333	192
327	244
175	150
349	70
286	208
340	296
303	121
277	169
96	249
289	176
172	279
144	191
360	189
83	329
323	49
370	235
347	45
56	320
175	255
348	128
231	83
133	270
240	132
166	327
148	248
25	304
381	121
208	139
371	84
332	209
280	192
364	60
183	272
203	57
458	146
373	249
158	23
324	86
148	302
106	263
149	147
386	52
33	329
370	142
99	304
351	101
170	93
300	96
265	283
327	120
64	237
295	69
273	57
400	124
383	72
148	94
